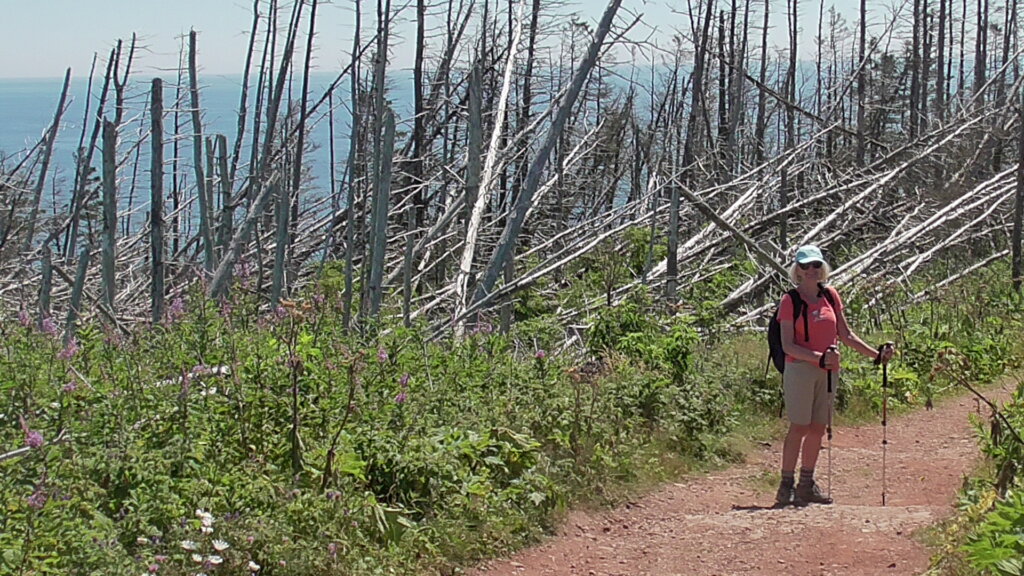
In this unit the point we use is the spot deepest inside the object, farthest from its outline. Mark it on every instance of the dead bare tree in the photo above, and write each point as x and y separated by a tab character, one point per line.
109	237
762	97
156	202
44	165
202	186
1018	211
353	174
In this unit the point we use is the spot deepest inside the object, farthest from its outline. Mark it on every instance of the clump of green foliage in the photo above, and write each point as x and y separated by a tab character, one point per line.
230	437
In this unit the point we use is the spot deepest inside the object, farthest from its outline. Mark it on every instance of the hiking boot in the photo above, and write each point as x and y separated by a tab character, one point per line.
785	496
810	494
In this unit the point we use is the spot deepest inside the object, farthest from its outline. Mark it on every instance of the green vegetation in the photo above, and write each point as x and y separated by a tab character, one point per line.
231	439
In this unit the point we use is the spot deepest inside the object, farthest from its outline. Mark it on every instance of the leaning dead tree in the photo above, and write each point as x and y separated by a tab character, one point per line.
528	152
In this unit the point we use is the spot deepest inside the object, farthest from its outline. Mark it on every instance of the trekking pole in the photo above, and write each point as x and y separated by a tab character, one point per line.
828	427
885	416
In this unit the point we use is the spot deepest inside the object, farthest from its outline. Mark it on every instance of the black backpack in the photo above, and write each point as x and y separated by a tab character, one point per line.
776	355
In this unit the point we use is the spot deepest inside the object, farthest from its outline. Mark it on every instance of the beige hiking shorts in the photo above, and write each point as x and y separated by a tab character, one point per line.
805	391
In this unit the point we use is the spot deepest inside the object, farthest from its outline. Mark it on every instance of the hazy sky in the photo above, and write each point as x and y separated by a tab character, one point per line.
40	38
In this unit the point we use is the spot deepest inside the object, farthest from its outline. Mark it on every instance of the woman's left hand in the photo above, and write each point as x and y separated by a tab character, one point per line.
886	352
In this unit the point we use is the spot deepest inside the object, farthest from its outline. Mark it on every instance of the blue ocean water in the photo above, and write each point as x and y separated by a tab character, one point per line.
27	108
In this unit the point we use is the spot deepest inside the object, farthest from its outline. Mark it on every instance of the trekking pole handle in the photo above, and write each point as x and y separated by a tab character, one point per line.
821	359
832	348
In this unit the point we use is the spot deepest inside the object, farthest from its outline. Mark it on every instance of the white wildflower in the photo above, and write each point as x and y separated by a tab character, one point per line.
253	567
220	545
214	559
206	530
141	541
205	517
189	545
197	558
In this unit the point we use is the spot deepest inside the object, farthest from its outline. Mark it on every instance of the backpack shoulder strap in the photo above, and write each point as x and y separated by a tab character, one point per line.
799	309
828	292
798	303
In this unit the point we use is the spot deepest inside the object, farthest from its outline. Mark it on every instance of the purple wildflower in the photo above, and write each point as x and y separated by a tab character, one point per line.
70	387
280	312
401	398
226	308
244	269
69	351
153	568
404	380
38	499
176	311
332	549
382	355
33	439
24	319
49	327
540	355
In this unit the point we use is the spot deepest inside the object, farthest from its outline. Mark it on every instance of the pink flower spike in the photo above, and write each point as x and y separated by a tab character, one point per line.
38	499
49	327
33	439
69	351
176	310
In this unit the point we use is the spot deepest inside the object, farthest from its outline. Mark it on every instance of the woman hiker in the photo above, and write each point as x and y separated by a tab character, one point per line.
811	352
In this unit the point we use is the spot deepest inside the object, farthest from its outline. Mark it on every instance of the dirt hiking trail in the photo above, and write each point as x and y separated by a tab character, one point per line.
718	525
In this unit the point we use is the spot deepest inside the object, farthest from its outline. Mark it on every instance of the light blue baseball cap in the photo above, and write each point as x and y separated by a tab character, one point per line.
808	254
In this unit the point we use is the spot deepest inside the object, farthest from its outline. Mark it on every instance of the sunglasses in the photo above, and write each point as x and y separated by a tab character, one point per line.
814	265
